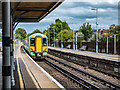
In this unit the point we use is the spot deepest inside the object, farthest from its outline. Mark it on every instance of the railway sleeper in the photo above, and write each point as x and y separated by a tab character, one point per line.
91	62
85	74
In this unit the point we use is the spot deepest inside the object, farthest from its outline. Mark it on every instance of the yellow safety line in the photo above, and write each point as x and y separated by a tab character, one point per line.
29	72
20	76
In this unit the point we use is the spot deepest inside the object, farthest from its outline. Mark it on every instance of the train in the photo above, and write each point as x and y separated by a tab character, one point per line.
36	45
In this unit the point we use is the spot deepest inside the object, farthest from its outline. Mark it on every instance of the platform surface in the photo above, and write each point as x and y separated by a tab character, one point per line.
33	76
0	67
91	54
27	74
0	70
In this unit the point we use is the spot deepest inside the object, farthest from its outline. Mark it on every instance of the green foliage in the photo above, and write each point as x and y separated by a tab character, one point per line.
94	38
87	30
114	30
67	36
80	39
0	37
57	27
35	31
103	38
20	34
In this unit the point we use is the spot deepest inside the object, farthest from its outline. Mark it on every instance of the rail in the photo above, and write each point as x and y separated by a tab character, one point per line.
72	76
87	74
108	67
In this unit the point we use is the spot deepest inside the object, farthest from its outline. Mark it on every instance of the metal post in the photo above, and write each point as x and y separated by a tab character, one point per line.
96	29
49	36
107	44
6	68
61	36
11	53
76	41
73	42
114	44
54	37
96	32
57	43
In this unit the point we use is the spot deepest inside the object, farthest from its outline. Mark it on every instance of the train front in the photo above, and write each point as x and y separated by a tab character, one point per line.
38	46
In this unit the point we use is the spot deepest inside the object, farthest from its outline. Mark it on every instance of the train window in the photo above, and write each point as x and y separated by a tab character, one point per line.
32	42
44	42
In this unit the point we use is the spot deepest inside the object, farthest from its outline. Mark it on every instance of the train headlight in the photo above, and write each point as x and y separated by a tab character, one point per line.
31	49
45	49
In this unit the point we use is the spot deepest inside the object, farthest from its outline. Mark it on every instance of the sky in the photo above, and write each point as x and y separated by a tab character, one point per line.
78	12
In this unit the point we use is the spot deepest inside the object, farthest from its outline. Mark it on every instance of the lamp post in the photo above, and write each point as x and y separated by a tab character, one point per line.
96	9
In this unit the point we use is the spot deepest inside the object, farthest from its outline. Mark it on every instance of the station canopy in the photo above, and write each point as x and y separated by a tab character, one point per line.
31	11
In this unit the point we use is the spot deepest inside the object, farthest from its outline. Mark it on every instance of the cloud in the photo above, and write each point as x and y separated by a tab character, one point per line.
90	19
77	12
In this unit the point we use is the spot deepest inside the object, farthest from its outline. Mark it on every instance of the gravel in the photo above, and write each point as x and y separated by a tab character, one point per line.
63	80
96	73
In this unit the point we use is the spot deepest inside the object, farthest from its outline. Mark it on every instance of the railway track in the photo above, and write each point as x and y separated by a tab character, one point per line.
83	83
106	83
109	67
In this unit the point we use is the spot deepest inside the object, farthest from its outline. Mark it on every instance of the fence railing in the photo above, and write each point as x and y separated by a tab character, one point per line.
91	46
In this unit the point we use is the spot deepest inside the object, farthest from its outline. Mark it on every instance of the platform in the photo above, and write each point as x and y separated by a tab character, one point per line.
31	75
0	70
28	74
90	54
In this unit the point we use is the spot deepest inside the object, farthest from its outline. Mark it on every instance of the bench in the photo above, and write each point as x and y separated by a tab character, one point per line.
83	48
52	45
68	47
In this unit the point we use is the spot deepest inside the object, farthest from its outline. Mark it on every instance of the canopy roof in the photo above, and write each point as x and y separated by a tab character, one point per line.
31	11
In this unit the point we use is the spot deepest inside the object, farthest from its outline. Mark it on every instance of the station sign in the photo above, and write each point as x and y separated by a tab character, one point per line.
95	31
79	34
111	36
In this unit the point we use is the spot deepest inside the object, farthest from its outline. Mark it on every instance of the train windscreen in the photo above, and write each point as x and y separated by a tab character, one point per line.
44	42
32	42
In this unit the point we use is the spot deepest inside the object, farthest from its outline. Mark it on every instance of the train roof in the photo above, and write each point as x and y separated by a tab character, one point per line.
38	34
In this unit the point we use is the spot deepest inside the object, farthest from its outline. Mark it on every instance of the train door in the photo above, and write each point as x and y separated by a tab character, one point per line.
38	46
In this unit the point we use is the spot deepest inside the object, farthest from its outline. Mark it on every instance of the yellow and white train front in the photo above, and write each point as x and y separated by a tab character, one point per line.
38	46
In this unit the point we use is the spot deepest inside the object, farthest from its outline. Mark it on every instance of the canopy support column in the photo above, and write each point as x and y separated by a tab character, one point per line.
6	68
12	53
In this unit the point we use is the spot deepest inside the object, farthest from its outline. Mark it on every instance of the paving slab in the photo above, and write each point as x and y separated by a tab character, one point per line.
91	54
0	70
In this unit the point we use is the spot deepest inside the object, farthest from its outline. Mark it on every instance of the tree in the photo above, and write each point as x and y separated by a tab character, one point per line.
20	34
0	37
114	30
103	38
67	35
35	31
86	30
57	27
